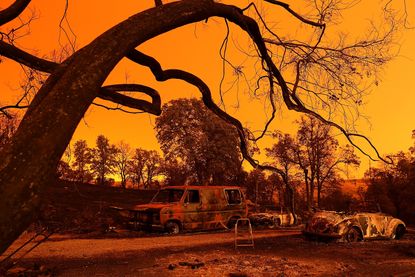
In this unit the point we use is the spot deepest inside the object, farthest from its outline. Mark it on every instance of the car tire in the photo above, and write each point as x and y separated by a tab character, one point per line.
399	232
173	227
353	235
274	223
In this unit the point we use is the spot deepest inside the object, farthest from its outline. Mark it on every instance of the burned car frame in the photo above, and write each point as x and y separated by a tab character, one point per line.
271	219
352	227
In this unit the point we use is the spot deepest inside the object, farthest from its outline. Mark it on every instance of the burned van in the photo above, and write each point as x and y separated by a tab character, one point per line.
180	208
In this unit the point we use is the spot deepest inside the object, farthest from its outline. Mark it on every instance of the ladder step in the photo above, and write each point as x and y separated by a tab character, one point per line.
243	237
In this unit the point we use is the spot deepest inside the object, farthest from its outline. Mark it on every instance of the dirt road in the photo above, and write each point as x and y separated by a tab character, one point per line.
276	253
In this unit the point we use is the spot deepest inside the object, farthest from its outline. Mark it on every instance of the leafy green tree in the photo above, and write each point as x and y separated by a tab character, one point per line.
187	131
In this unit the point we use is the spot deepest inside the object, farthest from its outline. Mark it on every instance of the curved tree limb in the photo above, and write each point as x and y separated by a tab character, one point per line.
291	100
110	93
295	14
12	52
164	75
13	11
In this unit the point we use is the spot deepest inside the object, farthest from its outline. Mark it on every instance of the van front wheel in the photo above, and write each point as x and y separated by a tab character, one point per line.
173	227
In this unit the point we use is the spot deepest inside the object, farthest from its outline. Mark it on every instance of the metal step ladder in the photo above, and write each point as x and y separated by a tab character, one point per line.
243	233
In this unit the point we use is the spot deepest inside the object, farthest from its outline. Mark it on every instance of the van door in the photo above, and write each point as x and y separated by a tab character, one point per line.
192	207
235	204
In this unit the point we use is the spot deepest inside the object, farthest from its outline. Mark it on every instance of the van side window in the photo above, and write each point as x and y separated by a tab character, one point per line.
233	196
193	196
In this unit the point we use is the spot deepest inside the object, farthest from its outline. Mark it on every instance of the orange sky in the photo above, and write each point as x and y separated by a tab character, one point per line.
195	48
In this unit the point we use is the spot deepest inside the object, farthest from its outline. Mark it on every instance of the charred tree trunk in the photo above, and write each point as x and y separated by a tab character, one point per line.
290	197
307	190
29	161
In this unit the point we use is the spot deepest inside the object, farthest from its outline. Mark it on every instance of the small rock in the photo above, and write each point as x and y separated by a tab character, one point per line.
172	266
238	274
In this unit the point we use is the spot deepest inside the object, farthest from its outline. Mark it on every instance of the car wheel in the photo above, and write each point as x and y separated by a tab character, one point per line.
274	223
173	227
353	235
399	232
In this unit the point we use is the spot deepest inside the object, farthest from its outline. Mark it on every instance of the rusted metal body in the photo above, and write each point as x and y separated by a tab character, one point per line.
272	219
354	226
178	208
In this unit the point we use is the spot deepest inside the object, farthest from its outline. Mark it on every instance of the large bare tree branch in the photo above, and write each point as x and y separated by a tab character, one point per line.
107	93
25	58
13	11
292	101
295	14
110	93
164	75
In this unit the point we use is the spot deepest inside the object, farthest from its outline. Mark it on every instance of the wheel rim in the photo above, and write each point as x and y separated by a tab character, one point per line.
399	232
352	235
173	228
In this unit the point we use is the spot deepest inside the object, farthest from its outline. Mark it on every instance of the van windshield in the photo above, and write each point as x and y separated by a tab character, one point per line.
168	196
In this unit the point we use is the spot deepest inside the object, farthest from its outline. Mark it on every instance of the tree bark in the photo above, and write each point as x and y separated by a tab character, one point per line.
28	164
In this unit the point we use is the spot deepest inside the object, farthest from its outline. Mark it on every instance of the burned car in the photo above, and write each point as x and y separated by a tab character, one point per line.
271	219
179	208
352	227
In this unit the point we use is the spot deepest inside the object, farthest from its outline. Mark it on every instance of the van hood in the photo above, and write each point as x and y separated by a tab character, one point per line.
152	206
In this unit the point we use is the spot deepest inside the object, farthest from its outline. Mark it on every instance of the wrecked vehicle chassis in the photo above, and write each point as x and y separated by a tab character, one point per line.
271	219
354	227
175	209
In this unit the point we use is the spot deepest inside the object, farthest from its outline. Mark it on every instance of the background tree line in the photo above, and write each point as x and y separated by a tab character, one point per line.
105	161
200	149
392	186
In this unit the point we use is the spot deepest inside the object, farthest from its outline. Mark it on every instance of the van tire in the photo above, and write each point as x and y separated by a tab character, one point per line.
173	227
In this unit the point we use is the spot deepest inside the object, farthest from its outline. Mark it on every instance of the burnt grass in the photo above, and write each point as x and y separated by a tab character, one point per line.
81	212
70	207
289	255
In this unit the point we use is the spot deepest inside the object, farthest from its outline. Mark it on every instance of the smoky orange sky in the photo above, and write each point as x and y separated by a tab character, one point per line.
389	109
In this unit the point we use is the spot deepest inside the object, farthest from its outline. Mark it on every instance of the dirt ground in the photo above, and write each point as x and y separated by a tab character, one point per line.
282	252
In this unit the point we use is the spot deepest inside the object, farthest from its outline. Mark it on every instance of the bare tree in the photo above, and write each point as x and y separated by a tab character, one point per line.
151	167
144	166
103	159
136	167
56	109
319	156
284	154
82	158
122	158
